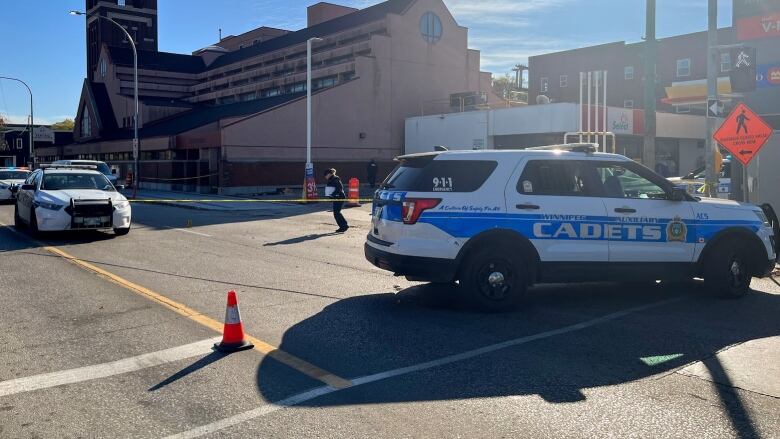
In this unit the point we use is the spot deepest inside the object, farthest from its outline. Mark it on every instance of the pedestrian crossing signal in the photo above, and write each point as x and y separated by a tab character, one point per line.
743	69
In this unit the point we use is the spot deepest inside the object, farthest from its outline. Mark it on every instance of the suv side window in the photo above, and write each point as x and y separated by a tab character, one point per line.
421	175
624	181
557	177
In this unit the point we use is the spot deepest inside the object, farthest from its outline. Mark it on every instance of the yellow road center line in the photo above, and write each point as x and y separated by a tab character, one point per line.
181	309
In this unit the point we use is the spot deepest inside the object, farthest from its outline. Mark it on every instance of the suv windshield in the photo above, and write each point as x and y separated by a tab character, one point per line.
421	175
57	182
13	175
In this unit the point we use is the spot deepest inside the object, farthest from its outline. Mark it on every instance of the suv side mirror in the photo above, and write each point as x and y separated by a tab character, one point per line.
28	187
120	187
679	194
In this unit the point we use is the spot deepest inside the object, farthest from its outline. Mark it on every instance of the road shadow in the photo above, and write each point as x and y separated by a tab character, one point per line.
162	217
13	239
300	239
375	333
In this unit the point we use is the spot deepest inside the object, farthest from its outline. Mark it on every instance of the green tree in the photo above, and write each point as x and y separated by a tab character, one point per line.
503	85
66	125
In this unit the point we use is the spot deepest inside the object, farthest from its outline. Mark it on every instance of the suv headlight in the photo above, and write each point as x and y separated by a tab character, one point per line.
121	205
46	205
762	216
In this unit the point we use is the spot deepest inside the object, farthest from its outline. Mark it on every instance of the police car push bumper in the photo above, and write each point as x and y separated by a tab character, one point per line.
52	218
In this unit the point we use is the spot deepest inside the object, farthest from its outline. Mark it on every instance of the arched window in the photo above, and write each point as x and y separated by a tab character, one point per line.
86	123
430	27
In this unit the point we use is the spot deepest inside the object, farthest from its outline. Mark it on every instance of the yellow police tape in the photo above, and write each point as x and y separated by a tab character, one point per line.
298	200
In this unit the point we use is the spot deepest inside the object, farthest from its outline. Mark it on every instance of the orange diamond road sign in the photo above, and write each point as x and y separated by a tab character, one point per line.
743	133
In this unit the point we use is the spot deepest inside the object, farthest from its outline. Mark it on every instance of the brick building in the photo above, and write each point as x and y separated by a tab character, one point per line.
231	117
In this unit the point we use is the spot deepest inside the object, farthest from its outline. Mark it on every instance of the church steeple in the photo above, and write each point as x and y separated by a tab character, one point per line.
139	17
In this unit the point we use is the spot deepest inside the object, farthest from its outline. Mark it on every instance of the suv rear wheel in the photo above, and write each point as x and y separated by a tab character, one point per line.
727	269
493	279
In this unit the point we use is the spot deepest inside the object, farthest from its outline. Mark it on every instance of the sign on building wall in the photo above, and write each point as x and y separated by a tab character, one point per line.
768	75
751	8
620	120
43	134
758	27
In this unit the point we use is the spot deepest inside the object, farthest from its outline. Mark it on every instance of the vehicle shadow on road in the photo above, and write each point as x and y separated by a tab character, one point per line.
374	333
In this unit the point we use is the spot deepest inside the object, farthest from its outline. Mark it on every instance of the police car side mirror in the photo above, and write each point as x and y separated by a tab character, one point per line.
120	187
28	187
679	194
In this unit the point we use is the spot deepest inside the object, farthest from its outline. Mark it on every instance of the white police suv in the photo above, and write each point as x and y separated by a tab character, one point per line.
500	221
10	180
70	197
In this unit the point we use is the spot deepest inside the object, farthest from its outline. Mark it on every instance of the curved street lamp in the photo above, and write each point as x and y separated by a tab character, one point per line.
32	124
136	151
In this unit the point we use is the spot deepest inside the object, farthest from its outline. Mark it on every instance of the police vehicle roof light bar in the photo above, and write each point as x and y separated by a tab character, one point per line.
571	147
58	166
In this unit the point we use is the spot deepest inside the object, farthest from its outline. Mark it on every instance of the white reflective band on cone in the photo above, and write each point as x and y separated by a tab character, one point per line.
232	316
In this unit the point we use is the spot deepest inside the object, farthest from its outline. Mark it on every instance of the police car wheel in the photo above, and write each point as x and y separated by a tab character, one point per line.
727	271
493	280
18	223
122	232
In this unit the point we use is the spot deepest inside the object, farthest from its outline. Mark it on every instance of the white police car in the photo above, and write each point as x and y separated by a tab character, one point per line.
499	221
10	180
63	197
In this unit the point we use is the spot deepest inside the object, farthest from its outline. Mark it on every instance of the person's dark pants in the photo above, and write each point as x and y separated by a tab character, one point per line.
337	205
372	181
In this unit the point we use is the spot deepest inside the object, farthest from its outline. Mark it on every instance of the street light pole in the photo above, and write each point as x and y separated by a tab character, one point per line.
32	121
136	147
309	164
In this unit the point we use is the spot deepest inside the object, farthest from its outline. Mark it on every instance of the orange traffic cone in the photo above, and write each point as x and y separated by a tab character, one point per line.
233	335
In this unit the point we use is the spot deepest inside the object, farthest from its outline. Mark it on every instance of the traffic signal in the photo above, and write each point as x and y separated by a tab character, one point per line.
743	69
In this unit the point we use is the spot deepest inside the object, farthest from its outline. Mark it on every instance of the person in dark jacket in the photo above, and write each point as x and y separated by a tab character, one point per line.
335	190
371	170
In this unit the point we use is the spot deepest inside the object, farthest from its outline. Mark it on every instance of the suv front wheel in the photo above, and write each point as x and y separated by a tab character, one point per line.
727	269
493	279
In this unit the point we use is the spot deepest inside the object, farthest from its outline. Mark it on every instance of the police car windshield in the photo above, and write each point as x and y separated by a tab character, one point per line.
58	182
13	175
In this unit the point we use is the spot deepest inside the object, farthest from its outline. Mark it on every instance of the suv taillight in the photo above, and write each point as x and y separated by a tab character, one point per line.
414	207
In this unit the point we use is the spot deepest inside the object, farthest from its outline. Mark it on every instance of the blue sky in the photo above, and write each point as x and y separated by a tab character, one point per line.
44	46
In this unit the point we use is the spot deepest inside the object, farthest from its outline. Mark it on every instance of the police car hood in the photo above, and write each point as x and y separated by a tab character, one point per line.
723	203
64	196
11	181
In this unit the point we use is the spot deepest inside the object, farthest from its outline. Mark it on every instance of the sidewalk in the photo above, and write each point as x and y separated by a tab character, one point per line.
190	200
198	201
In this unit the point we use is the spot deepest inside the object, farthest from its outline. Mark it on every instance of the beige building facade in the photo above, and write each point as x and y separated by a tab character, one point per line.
231	117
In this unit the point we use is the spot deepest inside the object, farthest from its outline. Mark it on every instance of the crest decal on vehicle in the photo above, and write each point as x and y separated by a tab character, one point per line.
676	230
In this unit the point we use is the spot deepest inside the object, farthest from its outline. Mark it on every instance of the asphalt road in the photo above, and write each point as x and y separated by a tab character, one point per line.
111	337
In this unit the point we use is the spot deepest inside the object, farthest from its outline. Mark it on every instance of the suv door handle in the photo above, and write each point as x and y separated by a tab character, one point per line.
625	210
527	206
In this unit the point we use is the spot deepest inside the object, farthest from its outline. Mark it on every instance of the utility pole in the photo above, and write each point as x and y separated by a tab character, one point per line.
711	174
651	55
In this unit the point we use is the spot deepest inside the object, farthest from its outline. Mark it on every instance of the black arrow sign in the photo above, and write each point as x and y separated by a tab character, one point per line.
745	152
